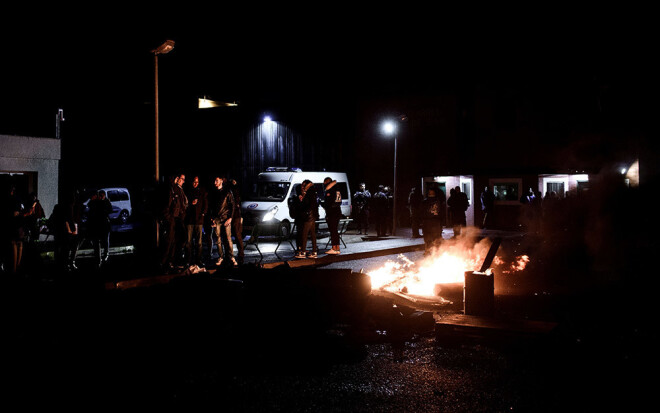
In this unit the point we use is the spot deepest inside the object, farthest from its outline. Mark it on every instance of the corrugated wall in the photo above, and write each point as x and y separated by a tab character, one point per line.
272	144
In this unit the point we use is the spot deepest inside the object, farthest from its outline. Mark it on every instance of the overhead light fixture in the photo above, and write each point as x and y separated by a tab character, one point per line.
164	48
204	103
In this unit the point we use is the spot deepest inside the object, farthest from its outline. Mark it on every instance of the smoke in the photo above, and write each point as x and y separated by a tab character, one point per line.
594	238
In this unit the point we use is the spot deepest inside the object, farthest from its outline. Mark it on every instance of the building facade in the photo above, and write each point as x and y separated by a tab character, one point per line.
32	165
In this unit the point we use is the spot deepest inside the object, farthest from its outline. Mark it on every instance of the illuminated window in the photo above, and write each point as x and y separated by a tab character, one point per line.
506	191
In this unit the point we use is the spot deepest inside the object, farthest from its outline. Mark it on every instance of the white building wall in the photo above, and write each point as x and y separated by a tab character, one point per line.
40	156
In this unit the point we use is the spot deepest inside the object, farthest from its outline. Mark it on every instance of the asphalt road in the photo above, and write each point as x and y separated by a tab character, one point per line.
314	339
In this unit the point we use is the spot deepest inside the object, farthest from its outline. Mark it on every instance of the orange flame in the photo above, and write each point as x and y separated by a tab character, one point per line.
444	265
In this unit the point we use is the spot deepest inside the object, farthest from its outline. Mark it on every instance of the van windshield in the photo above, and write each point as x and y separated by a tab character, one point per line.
270	191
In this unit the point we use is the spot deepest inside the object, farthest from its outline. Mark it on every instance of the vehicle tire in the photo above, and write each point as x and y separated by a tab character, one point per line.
285	228
123	217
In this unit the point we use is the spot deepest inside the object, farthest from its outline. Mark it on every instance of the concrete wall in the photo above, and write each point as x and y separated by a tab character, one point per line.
38	157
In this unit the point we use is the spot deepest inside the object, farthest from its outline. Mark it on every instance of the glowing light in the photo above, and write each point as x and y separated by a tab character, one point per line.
389	127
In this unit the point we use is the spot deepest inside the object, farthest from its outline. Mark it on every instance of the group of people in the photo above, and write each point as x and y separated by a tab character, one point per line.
72	223
19	226
304	209
194	216
433	212
376	208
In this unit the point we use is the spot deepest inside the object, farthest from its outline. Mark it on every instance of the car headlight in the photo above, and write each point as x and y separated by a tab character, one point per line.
270	214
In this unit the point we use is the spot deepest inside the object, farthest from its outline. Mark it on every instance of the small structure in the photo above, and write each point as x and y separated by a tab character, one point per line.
33	164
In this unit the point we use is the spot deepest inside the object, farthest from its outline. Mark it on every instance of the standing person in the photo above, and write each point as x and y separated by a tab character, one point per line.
361	208
209	226
379	209
237	220
197	209
221	205
433	218
309	214
296	212
415	199
17	233
527	217
332	206
82	235
389	211
172	216
64	229
34	214
98	226
487	206
458	203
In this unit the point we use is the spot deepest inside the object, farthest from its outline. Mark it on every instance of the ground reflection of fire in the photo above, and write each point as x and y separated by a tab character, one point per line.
444	265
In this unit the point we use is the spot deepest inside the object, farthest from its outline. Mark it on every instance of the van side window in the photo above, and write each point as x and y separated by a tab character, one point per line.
113	196
122	196
295	191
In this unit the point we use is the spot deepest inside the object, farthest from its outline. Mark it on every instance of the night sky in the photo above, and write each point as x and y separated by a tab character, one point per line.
316	70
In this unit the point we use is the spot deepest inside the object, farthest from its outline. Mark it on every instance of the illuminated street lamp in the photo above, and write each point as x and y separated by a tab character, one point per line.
390	128
162	49
205	103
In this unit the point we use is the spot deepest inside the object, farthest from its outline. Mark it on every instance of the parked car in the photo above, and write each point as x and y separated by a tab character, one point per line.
120	199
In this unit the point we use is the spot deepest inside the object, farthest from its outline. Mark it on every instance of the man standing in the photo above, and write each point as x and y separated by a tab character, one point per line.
98	226
415	199
487	205
361	210
458	203
433	218
379	210
173	215
237	220
222	209
332	206
197	209
389	211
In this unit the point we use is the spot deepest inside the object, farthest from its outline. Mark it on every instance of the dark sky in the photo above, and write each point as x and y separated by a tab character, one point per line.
97	66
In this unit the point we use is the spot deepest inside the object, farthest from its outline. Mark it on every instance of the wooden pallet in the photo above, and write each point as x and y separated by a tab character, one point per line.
472	326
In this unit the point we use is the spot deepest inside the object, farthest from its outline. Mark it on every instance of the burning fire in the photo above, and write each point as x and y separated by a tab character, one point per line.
444	265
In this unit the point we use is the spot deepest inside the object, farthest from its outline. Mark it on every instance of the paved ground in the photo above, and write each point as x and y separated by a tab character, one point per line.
280	335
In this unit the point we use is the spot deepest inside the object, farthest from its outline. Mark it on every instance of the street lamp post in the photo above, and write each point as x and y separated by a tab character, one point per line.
162	49
390	128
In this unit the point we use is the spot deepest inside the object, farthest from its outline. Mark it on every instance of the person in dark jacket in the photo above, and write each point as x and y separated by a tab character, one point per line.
361	208
14	223
458	203
173	214
433	218
487	206
195	215
310	214
63	227
415	199
221	205
98	226
379	210
332	206
296	213
237	220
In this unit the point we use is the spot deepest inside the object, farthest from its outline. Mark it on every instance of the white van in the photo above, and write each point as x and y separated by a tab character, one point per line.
268	201
119	198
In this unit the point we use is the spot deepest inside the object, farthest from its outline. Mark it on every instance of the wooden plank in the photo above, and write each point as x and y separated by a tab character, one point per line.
462	322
